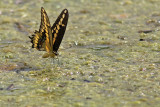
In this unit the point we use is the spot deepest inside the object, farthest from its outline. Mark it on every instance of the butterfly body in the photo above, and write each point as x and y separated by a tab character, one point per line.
49	38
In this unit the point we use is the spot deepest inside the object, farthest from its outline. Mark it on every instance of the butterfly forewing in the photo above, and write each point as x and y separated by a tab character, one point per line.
58	29
45	29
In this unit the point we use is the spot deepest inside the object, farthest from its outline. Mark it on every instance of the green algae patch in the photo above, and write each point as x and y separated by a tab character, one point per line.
109	55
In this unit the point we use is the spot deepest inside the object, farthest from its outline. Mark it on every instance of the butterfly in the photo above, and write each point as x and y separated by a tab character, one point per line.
49	38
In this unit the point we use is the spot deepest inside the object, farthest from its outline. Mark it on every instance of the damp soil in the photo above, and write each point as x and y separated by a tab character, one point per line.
109	55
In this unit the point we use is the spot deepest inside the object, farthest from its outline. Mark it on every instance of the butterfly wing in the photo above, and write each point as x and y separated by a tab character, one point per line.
42	39
58	29
45	29
37	40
